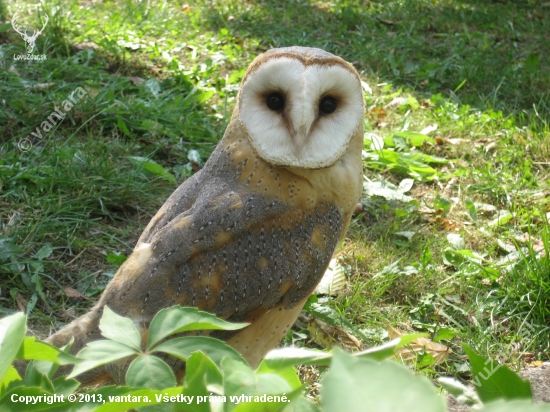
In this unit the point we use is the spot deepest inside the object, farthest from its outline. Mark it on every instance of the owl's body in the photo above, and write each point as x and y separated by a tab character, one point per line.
249	236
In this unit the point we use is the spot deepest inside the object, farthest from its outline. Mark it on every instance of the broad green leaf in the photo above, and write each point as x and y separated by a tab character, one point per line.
149	371
292	356
33	349
35	378
44	252
11	375
200	372
177	319
494	381
64	386
119	329
271	393
289	374
8	250
443	334
358	385
381	352
200	366
12	333
49	368
99	353
182	348
514	406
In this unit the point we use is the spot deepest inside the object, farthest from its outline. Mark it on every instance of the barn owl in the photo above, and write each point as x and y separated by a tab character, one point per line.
250	235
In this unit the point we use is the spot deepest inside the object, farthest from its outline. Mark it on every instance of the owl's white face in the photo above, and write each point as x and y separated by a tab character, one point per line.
298	113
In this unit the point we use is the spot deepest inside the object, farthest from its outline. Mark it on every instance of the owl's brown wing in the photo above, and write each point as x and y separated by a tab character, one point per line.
234	254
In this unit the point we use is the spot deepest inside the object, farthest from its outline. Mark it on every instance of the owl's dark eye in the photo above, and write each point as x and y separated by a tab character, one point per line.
275	101
327	105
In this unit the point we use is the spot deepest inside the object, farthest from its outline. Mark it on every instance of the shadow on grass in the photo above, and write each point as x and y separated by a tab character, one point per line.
494	53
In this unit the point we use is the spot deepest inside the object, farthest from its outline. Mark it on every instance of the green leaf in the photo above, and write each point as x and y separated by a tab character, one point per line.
293	356
440	203
8	249
182	348
416	139
11	375
149	371
443	334
200	372
384	351
44	252
122	126
152	167
119	329
33	377
289	374
116	259
353	384
503	217
471	208
177	319
494	381
270	394
239	379
12	333
531	63
33	349
64	386
99	353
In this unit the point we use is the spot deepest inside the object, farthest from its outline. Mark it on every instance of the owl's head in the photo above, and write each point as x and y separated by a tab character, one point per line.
300	106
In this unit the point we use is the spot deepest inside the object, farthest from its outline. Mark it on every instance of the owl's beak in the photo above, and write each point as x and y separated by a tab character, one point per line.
300	137
301	132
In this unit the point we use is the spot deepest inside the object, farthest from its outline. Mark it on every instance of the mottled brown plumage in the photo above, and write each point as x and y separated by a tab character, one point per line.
243	238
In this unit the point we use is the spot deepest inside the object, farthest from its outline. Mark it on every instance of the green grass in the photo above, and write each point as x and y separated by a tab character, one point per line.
162	78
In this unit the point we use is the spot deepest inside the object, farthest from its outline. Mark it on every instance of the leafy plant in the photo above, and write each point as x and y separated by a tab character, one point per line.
218	378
